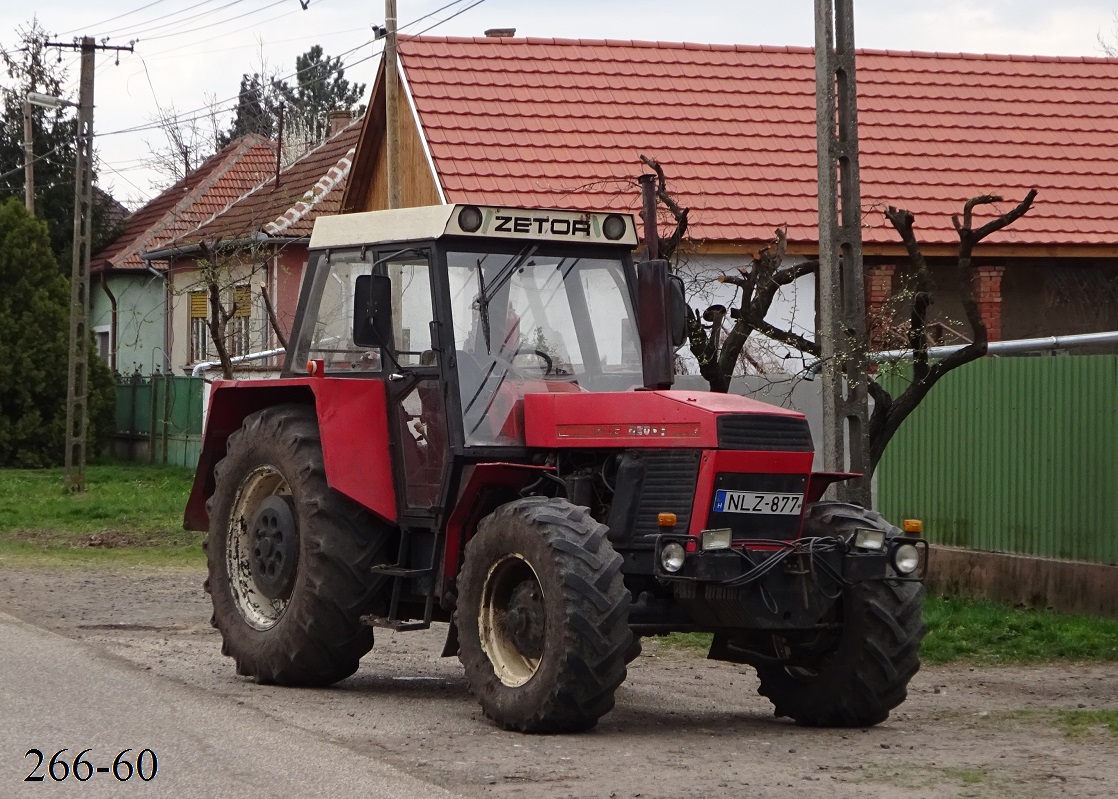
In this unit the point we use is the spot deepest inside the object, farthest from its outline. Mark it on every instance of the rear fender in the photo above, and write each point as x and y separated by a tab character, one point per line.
353	424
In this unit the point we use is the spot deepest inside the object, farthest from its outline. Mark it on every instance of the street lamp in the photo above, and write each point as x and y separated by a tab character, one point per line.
45	101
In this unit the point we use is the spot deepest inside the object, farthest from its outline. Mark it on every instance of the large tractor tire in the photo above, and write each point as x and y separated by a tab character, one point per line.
288	558
864	674
543	617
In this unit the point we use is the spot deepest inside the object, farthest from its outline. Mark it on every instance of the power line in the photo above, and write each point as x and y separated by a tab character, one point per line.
205	111
142	31
111	19
158	22
34	160
219	22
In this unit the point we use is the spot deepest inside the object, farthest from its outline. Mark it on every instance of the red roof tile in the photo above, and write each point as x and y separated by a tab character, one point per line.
309	186
224	177
563	123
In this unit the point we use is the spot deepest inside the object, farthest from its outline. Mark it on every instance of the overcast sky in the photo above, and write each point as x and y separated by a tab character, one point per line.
192	52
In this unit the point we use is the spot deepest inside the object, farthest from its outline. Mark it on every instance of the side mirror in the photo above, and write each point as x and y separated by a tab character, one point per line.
372	311
677	310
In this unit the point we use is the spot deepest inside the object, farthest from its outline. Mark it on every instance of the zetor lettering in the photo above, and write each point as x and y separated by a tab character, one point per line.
542	225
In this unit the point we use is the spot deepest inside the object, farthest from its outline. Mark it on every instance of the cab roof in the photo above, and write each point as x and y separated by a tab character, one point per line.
481	221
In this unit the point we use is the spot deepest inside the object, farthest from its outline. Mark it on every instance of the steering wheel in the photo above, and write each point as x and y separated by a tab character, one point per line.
547	362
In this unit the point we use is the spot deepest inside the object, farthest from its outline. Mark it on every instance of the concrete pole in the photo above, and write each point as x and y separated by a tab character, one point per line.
28	159
77	382
391	84
841	324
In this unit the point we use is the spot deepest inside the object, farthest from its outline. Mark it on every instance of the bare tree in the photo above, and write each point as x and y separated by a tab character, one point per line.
719	351
187	142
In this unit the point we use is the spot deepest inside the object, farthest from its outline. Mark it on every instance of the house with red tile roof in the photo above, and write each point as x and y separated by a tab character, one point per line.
563	123
256	242
129	293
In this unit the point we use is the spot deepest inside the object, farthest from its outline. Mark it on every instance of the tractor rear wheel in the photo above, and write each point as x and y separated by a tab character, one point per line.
856	680
288	558
543	617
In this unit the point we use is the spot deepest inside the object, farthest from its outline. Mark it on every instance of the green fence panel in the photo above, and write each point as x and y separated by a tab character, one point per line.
165	412
1016	455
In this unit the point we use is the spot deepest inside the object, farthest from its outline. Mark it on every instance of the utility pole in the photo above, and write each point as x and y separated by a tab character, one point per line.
841	306
391	83
28	159
77	377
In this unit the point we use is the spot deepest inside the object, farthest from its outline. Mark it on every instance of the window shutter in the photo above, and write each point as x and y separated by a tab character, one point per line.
199	305
242	296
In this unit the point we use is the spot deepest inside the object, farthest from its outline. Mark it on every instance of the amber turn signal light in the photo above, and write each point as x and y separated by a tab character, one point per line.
913	526
666	520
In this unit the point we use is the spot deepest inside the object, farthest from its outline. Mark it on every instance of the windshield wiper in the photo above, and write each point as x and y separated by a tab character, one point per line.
488	292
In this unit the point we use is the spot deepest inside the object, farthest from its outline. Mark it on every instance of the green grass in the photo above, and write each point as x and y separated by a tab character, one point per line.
129	514
1080	723
988	633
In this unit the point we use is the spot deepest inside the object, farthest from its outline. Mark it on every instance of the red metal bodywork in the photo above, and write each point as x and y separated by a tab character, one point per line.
740	462
353	424
634	418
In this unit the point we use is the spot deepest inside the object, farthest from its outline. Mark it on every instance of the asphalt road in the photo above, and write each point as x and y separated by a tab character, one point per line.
56	692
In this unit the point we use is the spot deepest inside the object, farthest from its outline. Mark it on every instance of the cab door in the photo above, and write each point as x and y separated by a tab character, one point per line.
416	398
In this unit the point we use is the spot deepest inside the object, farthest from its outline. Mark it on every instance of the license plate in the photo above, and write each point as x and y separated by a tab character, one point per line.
757	502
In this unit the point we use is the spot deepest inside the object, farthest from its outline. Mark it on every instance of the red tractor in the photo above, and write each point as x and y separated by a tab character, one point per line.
482	436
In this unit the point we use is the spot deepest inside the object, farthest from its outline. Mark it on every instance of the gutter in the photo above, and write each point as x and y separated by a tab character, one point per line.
1011	347
167	253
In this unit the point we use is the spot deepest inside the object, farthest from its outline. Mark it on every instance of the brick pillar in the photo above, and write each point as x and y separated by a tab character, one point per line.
987	284
881	284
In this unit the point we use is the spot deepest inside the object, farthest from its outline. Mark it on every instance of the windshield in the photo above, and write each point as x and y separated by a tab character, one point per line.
536	321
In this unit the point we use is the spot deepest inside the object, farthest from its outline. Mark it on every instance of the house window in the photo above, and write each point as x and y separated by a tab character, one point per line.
240	339
199	329
101	337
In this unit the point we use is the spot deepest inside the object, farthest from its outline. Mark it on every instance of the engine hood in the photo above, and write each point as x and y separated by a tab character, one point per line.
636	418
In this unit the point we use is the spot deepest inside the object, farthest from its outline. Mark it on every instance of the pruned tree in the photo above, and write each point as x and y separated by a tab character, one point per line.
719	350
187	141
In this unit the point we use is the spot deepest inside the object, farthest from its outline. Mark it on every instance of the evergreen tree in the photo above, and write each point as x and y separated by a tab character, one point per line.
320	88
255	112
34	347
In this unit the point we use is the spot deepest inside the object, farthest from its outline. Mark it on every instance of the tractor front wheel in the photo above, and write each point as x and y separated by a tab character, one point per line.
543	617
289	559
858	676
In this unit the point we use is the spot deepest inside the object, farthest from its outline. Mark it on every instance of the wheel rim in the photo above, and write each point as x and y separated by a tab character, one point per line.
512	620
260	603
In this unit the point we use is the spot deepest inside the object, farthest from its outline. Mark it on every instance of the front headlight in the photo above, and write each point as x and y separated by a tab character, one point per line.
672	557
906	559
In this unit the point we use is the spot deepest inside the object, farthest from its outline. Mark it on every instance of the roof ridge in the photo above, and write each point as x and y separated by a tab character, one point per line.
270	180
314	195
218	165
748	48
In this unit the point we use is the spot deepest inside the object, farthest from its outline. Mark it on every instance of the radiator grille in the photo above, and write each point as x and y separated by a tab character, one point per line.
764	433
669	487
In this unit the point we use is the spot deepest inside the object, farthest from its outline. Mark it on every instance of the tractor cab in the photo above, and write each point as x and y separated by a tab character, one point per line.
462	311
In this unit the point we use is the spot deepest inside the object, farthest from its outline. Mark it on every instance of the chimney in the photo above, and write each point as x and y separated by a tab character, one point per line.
501	33
336	120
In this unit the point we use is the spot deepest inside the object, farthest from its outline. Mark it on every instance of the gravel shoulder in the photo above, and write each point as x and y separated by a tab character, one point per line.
683	726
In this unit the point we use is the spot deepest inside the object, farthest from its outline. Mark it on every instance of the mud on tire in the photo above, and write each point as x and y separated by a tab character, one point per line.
312	635
865	674
543	617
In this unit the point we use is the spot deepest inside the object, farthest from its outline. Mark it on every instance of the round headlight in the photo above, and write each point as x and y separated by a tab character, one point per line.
906	559
672	556
469	219
613	228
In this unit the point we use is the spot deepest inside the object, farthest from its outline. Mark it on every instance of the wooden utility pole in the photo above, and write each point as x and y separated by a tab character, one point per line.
841	305
77	377
28	159
392	127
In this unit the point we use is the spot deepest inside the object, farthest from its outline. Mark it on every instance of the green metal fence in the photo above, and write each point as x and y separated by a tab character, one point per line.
159	419
1016	455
